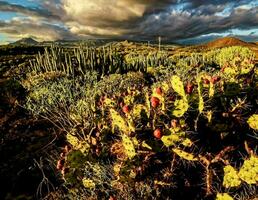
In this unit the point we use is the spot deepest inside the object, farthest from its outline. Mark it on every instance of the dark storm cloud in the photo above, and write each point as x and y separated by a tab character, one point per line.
198	3
149	19
174	26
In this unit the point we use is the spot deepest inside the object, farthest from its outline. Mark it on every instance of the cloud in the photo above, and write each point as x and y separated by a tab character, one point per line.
35	12
149	19
20	27
131	19
180	25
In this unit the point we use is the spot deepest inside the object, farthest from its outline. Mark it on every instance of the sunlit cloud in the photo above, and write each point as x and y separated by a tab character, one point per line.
173	20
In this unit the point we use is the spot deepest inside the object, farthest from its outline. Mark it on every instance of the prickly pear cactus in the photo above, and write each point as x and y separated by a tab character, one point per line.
118	121
209	115
178	86
253	121
249	170
74	141
77	144
130	123
231	178
109	102
223	196
184	155
211	90
137	110
88	183
129	146
199	88
173	138
187	142
181	106
165	87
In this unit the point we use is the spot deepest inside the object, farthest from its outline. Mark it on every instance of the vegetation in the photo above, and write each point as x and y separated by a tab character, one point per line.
150	125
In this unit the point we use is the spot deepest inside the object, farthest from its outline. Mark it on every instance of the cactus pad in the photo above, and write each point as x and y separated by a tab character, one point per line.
129	146
249	171
253	121
184	155
231	178
181	106
223	196
178	86
118	121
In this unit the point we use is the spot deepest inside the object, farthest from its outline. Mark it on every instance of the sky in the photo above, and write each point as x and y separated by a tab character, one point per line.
182	21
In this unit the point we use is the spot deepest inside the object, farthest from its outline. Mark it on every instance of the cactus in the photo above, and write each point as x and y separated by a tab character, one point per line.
175	137
181	105
184	155
73	140
199	88
146	135
129	146
178	86
211	90
118	121
253	121
137	110
223	196
231	178
77	144
88	183
249	170
187	142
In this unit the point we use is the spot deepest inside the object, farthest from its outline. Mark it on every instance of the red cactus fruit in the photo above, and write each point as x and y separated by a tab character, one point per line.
157	133
154	102
159	90
126	109
206	81
215	79
189	88
112	198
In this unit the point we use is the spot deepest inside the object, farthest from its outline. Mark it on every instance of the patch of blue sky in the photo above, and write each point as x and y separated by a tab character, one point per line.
25	3
253	31
249	5
179	7
226	12
4	39
7	15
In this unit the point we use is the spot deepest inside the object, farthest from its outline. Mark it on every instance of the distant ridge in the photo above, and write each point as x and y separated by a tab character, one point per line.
227	42
26	41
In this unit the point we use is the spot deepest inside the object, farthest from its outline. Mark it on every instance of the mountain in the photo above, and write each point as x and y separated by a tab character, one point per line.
26	41
226	42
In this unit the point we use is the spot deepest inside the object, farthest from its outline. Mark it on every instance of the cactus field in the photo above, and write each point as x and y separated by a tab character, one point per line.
129	121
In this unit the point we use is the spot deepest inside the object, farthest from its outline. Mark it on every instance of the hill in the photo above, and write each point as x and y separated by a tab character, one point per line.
227	42
26	41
